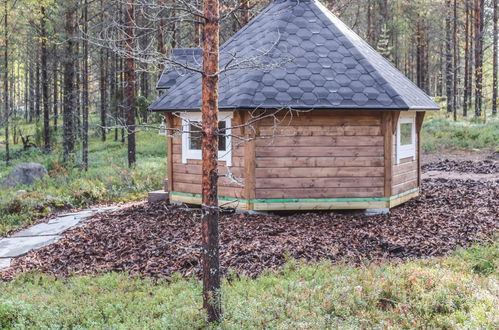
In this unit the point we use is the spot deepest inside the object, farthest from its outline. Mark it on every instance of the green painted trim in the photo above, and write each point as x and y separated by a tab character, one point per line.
298	200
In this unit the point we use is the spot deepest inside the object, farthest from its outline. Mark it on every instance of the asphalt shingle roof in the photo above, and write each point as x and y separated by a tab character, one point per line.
181	59
297	54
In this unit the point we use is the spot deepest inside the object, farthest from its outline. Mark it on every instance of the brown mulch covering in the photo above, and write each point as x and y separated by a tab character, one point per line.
487	166
158	240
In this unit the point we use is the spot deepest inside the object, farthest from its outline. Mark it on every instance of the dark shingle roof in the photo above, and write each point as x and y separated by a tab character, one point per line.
181	59
297	54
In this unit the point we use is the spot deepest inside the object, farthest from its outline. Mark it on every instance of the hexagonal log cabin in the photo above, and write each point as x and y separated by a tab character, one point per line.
311	117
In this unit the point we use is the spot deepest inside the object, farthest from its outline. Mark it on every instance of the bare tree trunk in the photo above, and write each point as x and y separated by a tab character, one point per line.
55	96
37	92
161	37
467	60
45	86
479	22
211	262
103	84
69	82
495	51
454	64
85	102
130	81
31	92
448	57
6	82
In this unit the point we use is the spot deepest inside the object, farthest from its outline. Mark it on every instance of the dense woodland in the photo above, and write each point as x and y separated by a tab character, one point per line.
77	66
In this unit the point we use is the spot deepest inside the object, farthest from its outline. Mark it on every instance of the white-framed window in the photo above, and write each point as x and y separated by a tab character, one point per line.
406	136
191	137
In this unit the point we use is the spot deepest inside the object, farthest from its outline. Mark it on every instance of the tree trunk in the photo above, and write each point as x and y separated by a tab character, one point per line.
467	49
55	97
210	236
454	64
161	37
6	82
495	51
85	102
448	58
130	80
103	84
479	21
45	86
69	82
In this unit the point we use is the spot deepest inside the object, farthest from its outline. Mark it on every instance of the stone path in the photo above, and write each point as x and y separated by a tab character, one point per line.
42	234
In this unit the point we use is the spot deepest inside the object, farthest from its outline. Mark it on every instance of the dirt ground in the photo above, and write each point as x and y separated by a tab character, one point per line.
456	208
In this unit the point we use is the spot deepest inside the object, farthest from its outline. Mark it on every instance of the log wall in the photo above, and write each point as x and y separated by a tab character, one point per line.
320	154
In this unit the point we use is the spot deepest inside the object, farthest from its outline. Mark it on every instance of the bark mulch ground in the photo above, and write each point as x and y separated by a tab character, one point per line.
158	240
487	166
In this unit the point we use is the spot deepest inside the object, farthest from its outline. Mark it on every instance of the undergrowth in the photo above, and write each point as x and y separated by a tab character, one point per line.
441	133
460	291
108	179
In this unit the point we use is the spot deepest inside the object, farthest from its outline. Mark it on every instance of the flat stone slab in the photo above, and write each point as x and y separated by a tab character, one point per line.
17	246
157	196
55	227
42	234
5	263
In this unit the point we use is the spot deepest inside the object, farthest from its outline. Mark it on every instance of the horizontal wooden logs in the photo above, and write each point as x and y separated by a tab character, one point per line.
404	177
196	189
319	193
320	131
196	169
321	141
235	182
319	172
354	182
289	162
406	186
272	151
404	168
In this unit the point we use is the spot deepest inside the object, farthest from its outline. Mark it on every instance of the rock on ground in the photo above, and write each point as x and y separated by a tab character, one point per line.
25	174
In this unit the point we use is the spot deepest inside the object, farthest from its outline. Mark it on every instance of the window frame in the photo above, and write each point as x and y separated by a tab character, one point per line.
188	153
409	150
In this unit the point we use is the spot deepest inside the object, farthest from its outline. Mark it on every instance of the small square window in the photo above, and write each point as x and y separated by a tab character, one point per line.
405	134
192	137
195	136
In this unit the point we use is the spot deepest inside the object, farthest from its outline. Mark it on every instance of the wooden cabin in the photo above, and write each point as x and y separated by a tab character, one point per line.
311	117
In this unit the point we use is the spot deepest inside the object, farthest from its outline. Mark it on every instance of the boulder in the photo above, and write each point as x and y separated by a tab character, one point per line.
25	174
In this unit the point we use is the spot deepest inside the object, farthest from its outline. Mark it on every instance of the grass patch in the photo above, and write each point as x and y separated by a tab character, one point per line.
108	179
439	293
441	133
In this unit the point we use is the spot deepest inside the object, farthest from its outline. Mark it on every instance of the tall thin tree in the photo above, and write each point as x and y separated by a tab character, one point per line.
130	80
6	80
69	81
494	62
479	25
44	85
448	57
85	103
209	108
454	60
